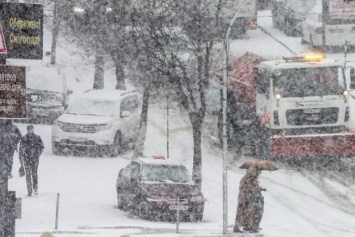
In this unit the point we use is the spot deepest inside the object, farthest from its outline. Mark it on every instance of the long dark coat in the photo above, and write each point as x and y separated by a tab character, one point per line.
250	202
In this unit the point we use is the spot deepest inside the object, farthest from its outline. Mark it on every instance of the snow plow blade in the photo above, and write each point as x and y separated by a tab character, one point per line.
313	145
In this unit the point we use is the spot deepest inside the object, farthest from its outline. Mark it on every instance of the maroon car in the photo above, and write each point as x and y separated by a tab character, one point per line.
155	188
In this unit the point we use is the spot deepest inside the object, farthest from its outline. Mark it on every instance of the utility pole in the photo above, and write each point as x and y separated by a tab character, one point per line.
325	16
3	182
225	90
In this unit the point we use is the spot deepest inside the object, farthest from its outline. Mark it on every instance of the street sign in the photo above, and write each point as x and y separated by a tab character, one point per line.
23	30
12	92
3	49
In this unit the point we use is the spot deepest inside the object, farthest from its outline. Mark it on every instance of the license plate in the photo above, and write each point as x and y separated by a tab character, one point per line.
77	139
41	112
311	111
313	117
178	207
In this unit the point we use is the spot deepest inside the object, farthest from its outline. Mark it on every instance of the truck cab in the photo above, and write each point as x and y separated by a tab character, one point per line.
303	106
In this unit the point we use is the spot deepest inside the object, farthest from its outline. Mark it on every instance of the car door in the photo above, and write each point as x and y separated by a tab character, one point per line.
133	189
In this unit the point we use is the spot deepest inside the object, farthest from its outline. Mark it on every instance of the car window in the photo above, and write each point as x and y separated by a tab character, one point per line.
93	107
132	170
164	173
130	103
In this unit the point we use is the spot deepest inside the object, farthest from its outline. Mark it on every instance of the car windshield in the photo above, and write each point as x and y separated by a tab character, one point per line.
163	173
94	107
302	82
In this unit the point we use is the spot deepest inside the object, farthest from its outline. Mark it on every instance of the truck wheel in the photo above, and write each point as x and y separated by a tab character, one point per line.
116	147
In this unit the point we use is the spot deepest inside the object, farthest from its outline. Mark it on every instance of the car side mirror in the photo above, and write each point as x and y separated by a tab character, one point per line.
69	92
352	78
125	114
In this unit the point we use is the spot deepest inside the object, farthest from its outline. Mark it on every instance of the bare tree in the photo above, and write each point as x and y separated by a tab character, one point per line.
168	30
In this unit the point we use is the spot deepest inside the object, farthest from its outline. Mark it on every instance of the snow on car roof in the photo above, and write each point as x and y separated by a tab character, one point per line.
152	161
106	95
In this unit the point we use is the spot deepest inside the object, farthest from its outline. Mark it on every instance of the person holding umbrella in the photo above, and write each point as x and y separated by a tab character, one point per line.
250	208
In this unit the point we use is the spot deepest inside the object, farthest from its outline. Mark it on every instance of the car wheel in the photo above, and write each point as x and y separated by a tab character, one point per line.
120	204
196	217
143	211
116	147
57	150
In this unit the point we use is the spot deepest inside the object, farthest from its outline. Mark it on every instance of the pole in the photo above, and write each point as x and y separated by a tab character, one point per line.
167	125
225	89
55	30
325	14
57	211
3	182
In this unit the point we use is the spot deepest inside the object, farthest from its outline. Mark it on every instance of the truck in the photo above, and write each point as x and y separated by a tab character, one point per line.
330	24
246	16
293	107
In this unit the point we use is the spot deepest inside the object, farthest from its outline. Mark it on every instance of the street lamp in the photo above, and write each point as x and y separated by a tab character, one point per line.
225	89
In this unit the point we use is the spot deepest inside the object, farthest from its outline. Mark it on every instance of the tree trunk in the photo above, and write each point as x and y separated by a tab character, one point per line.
139	146
120	75
55	31
99	71
196	122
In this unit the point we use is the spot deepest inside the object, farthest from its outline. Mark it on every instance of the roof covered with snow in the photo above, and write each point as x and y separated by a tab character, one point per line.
106	95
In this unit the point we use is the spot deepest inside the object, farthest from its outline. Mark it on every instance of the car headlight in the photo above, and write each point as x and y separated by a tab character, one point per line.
103	127
78	9
197	199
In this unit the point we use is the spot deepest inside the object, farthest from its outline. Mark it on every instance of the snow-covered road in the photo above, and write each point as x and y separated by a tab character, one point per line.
296	203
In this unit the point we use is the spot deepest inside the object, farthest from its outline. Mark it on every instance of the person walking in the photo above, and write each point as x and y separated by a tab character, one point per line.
31	147
12	138
250	207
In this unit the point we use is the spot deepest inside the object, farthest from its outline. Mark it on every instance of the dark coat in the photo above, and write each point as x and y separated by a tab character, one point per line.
12	138
31	147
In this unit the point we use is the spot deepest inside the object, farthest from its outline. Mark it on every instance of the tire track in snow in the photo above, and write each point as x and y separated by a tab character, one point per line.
342	201
284	201
277	40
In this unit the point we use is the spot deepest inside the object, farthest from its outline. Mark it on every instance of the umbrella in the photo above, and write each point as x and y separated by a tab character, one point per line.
259	164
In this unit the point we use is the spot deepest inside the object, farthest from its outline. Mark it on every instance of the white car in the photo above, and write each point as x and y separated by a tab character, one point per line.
99	119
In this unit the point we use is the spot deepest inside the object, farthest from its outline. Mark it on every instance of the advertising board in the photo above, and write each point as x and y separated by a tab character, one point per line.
12	92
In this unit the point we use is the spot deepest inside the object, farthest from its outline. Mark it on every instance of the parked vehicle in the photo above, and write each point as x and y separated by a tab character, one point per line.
156	187
288	15
339	28
47	95
103	120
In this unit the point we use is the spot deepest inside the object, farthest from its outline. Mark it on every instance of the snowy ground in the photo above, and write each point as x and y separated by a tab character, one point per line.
297	203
